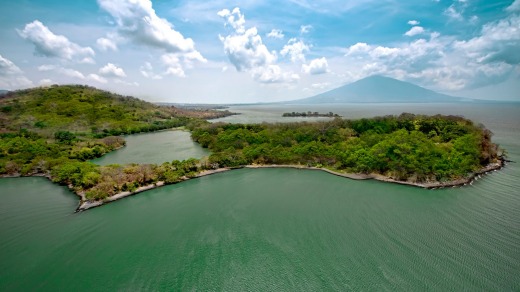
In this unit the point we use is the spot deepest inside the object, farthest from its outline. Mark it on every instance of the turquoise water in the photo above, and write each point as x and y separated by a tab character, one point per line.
270	229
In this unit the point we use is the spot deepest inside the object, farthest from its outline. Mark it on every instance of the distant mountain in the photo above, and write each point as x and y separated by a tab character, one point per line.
3	91
381	90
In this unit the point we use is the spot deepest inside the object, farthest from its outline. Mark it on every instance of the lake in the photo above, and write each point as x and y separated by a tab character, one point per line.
273	229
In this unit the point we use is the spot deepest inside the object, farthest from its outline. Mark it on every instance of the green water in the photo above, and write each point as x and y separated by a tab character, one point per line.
270	229
155	148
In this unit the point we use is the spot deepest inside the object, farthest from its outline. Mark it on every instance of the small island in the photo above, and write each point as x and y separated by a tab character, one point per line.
310	114
55	132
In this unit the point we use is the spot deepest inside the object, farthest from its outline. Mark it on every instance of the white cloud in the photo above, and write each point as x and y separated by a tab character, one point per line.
234	18
499	42
444	61
414	31
274	74
87	60
44	68
48	44
413	22
305	29
452	13
71	73
8	68
316	66
96	78
111	70
276	34
247	52
105	44
11	76
295	49
173	64
514	7
147	71
137	20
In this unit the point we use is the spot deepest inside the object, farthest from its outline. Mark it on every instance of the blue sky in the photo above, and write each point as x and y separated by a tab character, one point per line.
259	51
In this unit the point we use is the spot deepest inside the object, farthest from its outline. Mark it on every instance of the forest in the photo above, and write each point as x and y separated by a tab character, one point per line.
406	147
55	131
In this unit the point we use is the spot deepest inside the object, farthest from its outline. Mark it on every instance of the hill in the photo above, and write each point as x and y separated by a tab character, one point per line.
84	109
378	89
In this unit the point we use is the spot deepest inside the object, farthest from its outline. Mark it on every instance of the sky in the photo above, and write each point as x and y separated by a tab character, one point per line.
249	51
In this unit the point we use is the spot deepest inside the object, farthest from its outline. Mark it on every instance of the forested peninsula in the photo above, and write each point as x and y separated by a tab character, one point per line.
55	131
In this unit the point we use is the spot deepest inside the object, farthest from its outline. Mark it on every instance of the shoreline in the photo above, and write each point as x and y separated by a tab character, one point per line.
85	204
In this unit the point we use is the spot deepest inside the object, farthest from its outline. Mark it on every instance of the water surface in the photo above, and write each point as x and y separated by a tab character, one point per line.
155	148
271	229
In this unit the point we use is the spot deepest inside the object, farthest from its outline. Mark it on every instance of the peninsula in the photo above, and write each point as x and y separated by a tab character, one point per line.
55	131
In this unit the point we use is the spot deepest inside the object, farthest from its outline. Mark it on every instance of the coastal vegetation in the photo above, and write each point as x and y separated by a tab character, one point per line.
407	147
55	131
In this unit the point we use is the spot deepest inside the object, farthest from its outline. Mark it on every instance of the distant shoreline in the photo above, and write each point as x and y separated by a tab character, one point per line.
86	204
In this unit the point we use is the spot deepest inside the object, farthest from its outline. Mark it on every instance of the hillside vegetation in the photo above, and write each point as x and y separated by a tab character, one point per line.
87	110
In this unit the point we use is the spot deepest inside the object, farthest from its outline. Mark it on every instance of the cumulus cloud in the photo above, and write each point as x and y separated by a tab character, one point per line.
316	66
147	71
413	22
295	49
274	74
111	70
106	44
247	52
71	73
137	20
173	64
234	18
514	7
414	31
499	42
276	34
48	44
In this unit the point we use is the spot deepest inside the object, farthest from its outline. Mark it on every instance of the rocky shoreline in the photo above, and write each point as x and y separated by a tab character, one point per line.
86	204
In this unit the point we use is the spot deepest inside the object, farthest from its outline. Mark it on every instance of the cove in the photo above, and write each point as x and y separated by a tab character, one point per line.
155	148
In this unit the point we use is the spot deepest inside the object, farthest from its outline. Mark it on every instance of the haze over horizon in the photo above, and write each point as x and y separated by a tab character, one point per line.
260	51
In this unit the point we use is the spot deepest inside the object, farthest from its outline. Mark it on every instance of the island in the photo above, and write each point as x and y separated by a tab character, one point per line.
55	131
310	114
